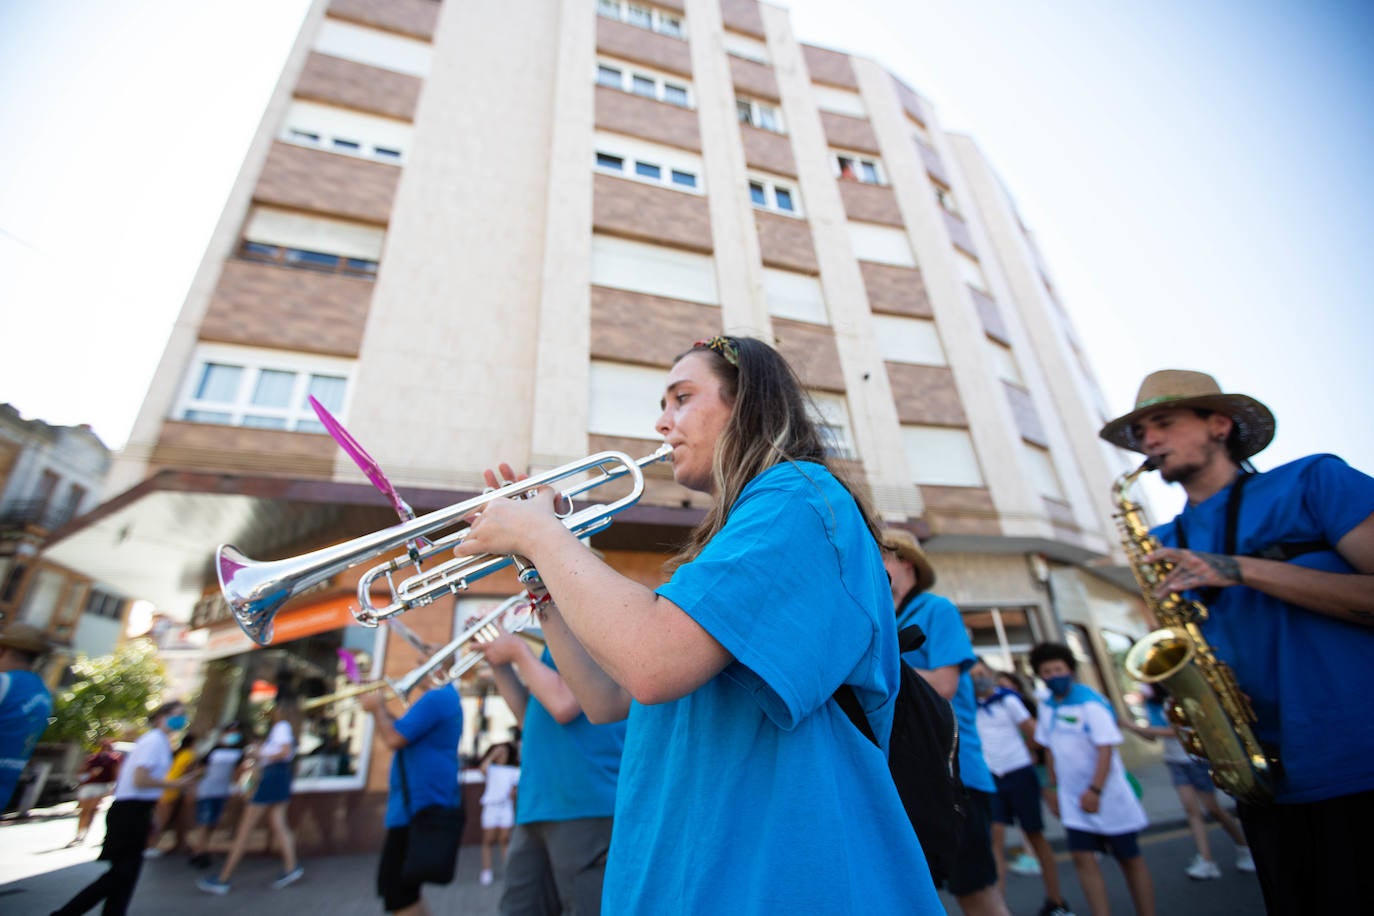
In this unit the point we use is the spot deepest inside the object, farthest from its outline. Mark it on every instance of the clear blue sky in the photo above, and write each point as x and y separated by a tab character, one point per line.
1197	174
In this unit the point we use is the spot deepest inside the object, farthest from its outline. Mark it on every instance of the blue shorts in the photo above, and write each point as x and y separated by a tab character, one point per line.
208	810
1018	800
274	786
1122	846
1193	773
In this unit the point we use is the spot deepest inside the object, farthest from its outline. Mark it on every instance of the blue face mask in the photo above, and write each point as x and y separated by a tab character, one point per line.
177	723
1059	685
231	739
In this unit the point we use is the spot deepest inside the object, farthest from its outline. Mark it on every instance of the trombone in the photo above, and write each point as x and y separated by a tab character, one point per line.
255	591
510	616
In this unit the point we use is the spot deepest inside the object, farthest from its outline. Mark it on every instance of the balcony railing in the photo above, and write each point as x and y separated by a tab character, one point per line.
35	512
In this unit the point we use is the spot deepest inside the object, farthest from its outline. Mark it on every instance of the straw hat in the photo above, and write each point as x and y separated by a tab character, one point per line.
1171	389
905	545
24	637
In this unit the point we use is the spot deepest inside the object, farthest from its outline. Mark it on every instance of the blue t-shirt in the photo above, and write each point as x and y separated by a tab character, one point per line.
566	771
1308	676
25	706
947	643
755	794
432	729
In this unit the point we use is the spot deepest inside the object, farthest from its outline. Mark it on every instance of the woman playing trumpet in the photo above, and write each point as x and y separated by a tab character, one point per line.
726	672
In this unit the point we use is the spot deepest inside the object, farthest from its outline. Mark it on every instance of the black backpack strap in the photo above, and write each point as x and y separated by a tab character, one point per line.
1290	551
849	702
909	639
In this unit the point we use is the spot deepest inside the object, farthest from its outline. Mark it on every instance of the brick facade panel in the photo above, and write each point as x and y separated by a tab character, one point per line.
934	164
742	16
870	203
911	102
811	350
335	81
628	42
632	327
274	452
327	183
751	78
959	233
926	395
960	510
830	67
264	305
786	242
637	116
415	18
896	290
766	150
1027	417
636	210
849	132
990	314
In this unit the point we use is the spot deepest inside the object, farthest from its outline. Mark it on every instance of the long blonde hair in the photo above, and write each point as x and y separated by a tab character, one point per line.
771	422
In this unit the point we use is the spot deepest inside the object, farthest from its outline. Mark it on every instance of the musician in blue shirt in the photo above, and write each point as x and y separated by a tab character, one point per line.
743	789
1284	562
25	703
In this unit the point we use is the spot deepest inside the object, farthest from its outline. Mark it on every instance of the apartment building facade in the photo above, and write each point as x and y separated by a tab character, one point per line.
481	233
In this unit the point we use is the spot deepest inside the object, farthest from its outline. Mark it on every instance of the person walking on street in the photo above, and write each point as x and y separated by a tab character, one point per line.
424	772
142	780
96	780
25	703
275	762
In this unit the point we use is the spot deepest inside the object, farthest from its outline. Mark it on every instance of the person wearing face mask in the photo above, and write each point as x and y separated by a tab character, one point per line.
1087	787
218	772
1004	727
142	780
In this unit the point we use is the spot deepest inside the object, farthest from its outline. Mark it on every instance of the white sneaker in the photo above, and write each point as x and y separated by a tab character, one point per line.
1244	860
152	852
1024	864
485	877
1202	870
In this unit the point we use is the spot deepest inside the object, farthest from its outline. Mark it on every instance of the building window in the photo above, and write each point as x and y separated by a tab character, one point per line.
642	16
103	604
767	194
758	114
308	260
646	162
242	387
1009	632
644	83
946	198
941	456
834	424
864	170
345	145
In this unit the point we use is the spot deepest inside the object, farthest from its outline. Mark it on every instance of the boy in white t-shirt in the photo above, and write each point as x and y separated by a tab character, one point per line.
1088	790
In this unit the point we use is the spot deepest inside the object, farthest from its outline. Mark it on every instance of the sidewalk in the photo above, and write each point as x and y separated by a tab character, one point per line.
37	874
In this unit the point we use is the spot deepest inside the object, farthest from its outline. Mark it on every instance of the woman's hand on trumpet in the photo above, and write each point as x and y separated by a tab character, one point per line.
503	650
509	526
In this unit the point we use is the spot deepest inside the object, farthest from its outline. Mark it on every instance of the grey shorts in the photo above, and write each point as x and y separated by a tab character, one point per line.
555	867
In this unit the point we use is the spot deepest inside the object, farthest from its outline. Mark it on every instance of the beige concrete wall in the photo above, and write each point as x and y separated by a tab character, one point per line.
873	414
992	426
445	380
1042	353
739	271
131	464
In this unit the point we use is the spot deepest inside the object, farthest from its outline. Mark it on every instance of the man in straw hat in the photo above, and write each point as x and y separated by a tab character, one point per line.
1284	561
944	660
25	703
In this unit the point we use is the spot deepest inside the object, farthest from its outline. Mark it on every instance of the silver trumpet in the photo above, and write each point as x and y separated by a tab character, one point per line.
510	616
256	590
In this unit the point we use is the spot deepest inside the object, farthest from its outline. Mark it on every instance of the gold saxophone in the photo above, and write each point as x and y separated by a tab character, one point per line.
1210	714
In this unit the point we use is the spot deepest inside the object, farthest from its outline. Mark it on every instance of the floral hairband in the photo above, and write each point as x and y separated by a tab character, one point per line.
722	345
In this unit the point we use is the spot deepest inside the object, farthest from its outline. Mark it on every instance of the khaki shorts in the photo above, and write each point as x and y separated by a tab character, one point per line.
94	790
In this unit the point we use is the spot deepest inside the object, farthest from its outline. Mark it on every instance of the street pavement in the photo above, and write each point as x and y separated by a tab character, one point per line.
37	874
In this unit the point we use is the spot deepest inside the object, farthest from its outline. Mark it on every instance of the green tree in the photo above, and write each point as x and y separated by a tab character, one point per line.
110	693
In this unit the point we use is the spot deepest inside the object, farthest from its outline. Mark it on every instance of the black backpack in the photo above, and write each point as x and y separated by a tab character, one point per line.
923	756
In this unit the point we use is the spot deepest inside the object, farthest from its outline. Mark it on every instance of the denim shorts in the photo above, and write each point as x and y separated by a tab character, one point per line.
209	809
1122	846
1193	773
274	785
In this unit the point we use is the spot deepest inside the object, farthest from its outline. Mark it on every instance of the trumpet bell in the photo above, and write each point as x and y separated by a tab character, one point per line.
256	591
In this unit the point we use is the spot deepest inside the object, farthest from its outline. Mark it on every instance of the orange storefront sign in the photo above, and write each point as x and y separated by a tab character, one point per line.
320	617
